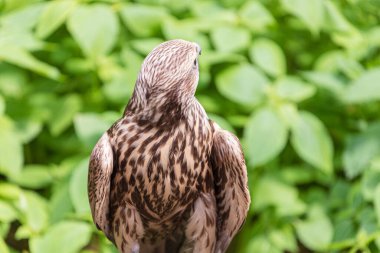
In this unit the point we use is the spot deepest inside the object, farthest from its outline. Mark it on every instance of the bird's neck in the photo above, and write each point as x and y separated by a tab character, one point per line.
159	105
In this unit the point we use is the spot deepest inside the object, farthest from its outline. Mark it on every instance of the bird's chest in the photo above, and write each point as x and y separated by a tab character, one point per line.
162	171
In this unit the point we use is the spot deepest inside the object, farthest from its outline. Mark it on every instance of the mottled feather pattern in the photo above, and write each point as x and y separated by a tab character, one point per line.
164	178
99	177
231	190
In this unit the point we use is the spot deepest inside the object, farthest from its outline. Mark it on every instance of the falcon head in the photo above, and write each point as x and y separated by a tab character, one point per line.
172	65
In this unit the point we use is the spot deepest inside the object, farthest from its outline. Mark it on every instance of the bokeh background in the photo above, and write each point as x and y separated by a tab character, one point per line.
298	81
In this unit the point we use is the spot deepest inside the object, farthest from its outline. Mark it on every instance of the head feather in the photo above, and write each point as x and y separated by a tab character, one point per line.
169	70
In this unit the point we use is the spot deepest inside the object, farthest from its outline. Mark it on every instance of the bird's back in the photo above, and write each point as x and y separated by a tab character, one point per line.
164	170
161	167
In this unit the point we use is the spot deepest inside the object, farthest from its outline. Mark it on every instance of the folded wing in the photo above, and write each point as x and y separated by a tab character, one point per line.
231	190
99	180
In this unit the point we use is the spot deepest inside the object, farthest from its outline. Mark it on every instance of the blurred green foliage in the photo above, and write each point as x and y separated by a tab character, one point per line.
297	80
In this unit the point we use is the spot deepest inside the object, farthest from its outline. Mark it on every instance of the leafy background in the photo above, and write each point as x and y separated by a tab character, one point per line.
298	81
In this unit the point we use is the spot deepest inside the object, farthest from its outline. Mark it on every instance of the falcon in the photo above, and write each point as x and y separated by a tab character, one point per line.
164	177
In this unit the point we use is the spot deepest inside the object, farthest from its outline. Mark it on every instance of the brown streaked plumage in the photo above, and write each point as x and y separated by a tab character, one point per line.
164	178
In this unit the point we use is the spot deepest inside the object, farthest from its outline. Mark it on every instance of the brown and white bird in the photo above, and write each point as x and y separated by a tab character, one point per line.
165	178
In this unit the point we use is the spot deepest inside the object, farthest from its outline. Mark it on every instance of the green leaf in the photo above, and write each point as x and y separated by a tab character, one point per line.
174	29
11	150
42	105
365	89
79	65
60	203
22	58
328	81
144	46
216	57
53	16
344	230
373	35
9	191
96	36
297	175
4	229
355	197
106	246
270	191
230	39
90	126
132	60
78	188
11	5
312	142
370	180
3	246
20	39
265	136
268	56
108	68
242	83
334	20
23	232
376	202
2	106
238	121
360	150
120	88
27	130
316	232
222	122
255	16
368	219
12	81
7	212
209	103
284	238
309	12
34	211
23	18
62	113
262	244
64	237
143	20
336	61
294	89
338	194
210	14
33	177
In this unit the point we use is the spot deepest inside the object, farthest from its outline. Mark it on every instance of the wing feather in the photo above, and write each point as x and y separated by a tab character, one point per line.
231	186
99	180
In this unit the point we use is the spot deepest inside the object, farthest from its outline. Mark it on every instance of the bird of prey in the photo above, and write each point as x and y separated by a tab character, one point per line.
164	177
